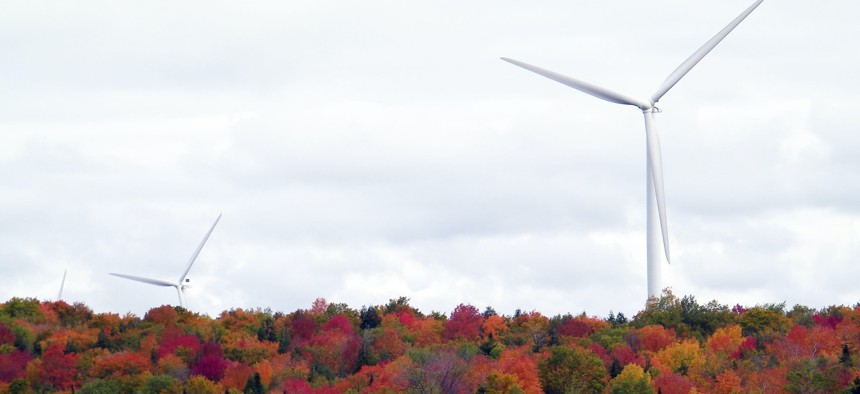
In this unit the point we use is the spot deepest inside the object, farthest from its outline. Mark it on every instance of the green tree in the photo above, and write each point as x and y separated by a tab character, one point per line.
686	316
802	315
571	370
765	322
19	386
25	308
813	376
369	318
161	384
399	305
664	310
254	385
497	383
99	387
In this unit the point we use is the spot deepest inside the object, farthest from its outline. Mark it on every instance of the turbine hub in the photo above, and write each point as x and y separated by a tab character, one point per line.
654	109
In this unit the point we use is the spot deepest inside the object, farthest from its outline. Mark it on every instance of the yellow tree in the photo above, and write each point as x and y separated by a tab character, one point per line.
684	357
201	385
631	380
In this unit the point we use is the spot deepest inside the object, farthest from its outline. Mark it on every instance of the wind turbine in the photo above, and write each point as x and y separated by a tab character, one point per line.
63	283
656	203
183	281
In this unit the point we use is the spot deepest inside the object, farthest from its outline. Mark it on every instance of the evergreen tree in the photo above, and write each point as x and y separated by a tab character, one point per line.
369	318
254	385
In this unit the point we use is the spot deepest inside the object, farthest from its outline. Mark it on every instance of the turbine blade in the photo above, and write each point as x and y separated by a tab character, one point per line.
196	252
655	164
691	61
62	284
156	282
585	87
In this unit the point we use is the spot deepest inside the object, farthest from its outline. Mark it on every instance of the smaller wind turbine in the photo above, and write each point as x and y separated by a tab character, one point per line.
183	282
63	283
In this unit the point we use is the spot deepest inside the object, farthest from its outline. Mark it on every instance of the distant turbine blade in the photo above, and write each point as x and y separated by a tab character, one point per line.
196	252
655	163
63	283
585	87
688	64
156	282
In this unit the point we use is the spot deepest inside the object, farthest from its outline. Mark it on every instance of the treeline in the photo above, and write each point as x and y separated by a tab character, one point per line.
674	345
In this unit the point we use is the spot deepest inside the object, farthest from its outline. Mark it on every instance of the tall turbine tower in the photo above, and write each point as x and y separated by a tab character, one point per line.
655	200
182	283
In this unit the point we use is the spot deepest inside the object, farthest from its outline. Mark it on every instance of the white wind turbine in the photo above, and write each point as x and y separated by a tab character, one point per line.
656	204
183	281
63	283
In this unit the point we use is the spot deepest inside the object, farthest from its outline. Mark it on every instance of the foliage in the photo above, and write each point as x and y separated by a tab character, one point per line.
674	345
686	316
25	308
59	369
100	387
12	365
766	322
571	369
631	380
161	384
465	323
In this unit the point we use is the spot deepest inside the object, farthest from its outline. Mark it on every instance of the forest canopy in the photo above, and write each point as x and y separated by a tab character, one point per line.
674	345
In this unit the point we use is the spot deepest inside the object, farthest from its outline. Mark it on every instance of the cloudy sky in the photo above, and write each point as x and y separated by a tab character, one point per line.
362	151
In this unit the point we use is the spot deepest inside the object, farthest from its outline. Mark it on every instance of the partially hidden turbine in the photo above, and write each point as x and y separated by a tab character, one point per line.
183	281
62	284
656	204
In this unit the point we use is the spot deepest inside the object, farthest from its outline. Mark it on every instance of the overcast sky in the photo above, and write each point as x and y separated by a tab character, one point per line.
366	150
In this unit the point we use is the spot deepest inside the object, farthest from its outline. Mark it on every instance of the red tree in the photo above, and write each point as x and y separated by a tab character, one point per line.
59	369
581	326
164	315
297	386
236	376
120	364
654	338
523	366
7	337
211	363
340	323
388	346
13	365
673	384
173	341
830	321
303	328
465	323
335	349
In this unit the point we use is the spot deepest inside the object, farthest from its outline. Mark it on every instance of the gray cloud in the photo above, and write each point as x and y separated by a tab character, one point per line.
365	151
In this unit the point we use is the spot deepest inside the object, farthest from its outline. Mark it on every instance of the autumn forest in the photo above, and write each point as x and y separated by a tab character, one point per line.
674	345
